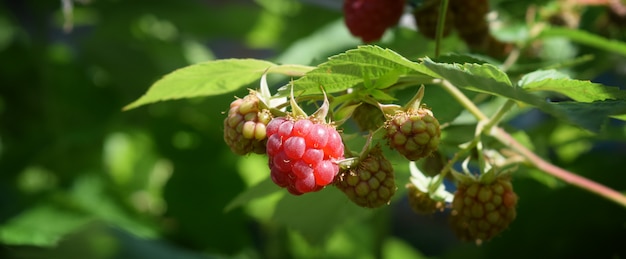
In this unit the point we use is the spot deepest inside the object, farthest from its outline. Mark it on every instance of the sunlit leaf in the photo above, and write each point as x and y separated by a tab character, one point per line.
204	79
578	90
459	59
488	79
349	69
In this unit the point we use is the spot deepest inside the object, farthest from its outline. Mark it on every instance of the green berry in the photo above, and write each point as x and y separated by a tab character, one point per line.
371	182
421	202
414	133
481	210
368	117
245	125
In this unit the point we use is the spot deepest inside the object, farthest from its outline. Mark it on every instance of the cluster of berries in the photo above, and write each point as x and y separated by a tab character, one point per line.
369	19
307	153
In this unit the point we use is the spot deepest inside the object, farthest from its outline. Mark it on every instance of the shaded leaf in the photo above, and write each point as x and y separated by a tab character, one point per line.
578	90
42	225
592	115
349	69
204	79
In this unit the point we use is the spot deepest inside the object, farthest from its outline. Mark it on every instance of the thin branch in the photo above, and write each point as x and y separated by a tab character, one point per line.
441	21
463	100
558	172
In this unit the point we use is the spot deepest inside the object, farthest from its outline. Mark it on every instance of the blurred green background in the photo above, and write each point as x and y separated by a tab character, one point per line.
79	178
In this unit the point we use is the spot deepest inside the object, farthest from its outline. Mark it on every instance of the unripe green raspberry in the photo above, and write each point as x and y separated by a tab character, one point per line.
421	202
480	211
368	117
414	133
244	127
371	183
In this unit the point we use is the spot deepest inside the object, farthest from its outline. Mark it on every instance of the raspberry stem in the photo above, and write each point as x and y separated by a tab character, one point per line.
496	118
463	100
506	139
440	26
558	172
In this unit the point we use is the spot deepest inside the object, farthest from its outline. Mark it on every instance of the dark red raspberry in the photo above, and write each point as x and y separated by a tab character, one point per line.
426	18
368	19
470	20
303	153
244	128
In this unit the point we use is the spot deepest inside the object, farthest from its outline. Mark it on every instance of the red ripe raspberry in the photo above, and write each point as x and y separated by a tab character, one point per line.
244	128
414	133
303	154
368	19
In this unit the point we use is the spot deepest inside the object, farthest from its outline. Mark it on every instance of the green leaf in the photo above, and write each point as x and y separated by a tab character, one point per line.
582	91
260	190
349	69
204	79
591	115
387	79
452	58
380	95
478	77
394	247
488	79
42	225
585	38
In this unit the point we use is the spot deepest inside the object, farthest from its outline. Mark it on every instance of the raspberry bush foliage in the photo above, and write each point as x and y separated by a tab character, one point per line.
443	87
351	129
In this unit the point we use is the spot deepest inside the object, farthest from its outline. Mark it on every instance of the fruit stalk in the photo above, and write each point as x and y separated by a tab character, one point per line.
443	10
558	172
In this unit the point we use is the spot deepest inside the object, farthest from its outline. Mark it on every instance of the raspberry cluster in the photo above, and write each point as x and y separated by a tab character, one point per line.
303	153
468	18
371	183
481	210
414	133
244	127
369	19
